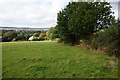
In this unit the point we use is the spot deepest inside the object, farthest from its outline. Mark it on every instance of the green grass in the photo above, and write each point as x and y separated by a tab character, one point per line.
0	61
54	60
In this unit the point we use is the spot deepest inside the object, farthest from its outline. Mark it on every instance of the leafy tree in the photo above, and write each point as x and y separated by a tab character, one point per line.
52	33
79	20
42	36
21	37
27	36
36	34
8	36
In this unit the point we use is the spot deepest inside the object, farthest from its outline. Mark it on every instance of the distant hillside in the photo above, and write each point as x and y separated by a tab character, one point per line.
21	28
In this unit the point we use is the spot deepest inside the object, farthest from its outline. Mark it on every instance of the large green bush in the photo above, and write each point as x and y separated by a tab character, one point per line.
79	20
107	40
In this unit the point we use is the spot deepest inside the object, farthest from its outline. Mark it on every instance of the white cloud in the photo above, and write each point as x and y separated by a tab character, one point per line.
115	9
30	13
113	0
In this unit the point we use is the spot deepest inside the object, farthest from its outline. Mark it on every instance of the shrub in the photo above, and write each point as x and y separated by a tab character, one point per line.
107	40
83	41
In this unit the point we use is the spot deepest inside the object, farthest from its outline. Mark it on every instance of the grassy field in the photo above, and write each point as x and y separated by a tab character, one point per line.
54	60
0	60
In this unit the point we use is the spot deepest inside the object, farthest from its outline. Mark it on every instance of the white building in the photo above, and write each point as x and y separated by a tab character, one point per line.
31	38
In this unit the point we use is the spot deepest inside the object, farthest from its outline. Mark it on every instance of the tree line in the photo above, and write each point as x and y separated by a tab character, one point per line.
11	35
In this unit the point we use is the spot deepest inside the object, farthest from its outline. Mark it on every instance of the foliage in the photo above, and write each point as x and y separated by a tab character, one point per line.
36	34
23	35
79	20
8	36
27	36
107	40
42	36
83	41
52	33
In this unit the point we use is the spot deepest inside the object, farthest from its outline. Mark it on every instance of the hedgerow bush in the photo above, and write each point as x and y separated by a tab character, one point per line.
107	40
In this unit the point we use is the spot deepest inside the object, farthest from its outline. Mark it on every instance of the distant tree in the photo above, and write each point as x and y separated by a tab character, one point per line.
8	36
27	36
36	34
21	37
79	20
52	33
42	36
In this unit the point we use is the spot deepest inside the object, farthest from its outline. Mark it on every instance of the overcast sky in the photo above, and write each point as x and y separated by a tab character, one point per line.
34	13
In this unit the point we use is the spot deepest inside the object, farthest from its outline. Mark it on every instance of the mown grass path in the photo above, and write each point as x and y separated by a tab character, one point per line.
54	60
